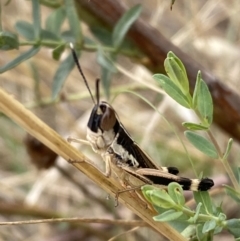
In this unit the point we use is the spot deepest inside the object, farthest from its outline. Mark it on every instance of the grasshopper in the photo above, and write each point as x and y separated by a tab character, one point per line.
123	157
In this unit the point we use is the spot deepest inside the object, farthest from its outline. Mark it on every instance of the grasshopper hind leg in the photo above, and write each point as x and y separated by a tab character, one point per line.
153	176
186	183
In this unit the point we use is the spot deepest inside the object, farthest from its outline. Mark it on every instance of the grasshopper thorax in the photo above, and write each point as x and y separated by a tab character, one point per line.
103	125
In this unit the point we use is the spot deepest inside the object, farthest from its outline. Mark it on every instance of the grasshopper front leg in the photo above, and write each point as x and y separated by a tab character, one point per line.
105	156
80	141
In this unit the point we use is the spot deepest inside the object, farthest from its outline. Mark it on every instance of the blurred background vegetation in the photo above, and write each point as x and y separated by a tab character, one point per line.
206	30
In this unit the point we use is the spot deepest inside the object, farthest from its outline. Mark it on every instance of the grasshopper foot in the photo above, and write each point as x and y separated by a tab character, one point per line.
71	161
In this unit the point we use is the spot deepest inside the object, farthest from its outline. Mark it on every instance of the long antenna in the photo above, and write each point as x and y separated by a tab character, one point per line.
97	91
80	70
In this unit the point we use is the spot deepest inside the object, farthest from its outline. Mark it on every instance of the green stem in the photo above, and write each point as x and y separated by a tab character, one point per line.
46	43
224	162
0	17
204	217
91	47
87	47
214	142
230	174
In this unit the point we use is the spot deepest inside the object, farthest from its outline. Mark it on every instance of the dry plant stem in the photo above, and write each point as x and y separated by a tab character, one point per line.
124	233
127	223
224	162
33	211
27	120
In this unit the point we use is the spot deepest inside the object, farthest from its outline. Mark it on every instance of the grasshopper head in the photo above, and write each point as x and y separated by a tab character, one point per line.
103	118
102	126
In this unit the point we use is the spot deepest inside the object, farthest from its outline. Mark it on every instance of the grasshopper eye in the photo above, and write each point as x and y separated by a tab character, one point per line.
108	118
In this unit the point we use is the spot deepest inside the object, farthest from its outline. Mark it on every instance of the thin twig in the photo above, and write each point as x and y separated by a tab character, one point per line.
120	222
124	233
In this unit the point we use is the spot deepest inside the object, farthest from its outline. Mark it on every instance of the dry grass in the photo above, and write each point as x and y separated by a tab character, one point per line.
207	30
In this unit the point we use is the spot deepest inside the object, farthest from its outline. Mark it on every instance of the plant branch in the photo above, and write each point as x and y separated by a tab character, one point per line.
120	222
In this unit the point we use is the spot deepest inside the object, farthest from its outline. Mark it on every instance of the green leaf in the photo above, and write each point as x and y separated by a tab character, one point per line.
146	190
222	217
51	4
107	69
209	225
204	198
233	227
124	24
200	235
36	79
105	62
202	144
46	35
204	102
57	52
8	41
177	72
55	20
228	149
36	19
102	34
218	229
161	198
196	215
25	29
235	195
180	64
67	36
90	42
189	231
167	216
105	37
194	127
238	174
196	89
61	75
21	58
172	90
106	77
175	191
180	224
73	21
